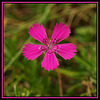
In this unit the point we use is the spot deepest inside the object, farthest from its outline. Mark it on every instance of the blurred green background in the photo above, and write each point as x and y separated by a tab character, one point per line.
23	77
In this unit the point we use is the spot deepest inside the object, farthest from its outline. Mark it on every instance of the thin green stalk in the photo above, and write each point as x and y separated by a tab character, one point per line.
16	90
16	55
60	82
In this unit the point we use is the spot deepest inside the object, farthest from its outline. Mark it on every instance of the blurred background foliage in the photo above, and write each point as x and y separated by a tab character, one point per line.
23	77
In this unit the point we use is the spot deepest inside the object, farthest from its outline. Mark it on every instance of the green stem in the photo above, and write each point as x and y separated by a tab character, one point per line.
60	82
16	56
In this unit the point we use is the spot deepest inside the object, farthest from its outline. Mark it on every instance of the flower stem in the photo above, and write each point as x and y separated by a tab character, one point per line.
60	82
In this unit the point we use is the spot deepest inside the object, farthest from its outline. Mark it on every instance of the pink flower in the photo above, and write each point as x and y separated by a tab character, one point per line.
61	31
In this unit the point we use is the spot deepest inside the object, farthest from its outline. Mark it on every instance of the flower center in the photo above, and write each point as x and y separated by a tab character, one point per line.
49	46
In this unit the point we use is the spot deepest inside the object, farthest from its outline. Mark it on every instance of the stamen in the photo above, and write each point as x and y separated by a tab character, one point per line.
54	41
56	48
42	48
45	41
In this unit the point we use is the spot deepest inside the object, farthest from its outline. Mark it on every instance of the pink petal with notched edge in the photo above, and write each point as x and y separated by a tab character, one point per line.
65	50
61	31
50	61
32	51
38	32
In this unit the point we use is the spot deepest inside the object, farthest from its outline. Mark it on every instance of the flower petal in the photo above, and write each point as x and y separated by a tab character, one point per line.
61	31
38	32
65	50
50	61
32	51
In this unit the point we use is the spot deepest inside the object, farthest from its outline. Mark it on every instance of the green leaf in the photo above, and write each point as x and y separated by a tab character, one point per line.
80	60
16	90
69	73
